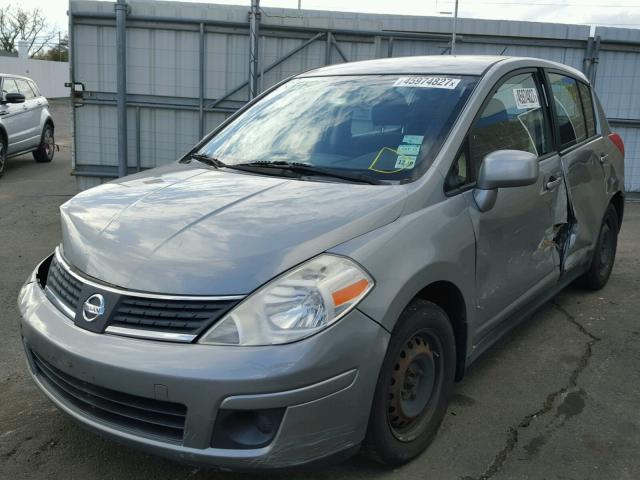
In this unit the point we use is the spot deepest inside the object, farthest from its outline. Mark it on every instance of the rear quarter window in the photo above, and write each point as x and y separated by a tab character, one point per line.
571	120
587	106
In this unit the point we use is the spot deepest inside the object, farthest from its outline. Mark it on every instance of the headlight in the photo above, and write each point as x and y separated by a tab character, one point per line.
295	305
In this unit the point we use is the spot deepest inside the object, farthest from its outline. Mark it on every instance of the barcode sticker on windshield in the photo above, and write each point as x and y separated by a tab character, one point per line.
427	82
526	98
408	150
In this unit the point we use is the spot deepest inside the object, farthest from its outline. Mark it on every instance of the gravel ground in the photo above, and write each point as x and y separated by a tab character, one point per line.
556	399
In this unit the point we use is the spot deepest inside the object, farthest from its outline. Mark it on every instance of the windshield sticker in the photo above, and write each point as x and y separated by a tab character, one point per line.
413	139
408	150
405	162
428	82
387	153
526	98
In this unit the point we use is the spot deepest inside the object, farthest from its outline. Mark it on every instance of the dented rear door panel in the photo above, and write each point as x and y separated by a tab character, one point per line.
586	178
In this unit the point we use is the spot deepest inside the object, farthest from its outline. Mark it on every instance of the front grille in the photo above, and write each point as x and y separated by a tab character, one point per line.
139	415
177	316
141	315
63	285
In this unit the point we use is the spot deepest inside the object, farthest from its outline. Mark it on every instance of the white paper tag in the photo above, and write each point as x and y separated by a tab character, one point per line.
405	162
413	139
427	82
408	150
526	98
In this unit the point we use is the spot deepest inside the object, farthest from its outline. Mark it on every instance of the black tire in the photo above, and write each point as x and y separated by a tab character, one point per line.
604	254
406	414
3	155
45	151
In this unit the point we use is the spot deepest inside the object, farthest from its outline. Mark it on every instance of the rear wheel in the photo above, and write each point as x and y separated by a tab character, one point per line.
45	151
3	155
604	254
414	385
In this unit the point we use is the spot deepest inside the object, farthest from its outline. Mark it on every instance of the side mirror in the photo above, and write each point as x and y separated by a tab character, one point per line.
504	169
14	98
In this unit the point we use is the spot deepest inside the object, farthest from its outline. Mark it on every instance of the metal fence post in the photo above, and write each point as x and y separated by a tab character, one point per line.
121	65
453	30
586	61
327	51
595	59
201	82
254	32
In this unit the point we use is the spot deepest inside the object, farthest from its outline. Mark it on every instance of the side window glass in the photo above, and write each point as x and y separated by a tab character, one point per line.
513	119
34	87
568	109
460	173
9	86
25	89
587	106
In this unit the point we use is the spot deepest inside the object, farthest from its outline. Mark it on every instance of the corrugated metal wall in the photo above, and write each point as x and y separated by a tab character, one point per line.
618	86
170	103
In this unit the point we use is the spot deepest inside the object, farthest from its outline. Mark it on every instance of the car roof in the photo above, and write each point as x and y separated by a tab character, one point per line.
436	64
4	75
445	64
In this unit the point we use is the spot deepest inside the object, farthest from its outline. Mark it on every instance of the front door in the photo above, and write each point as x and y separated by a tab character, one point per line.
33	110
516	253
14	118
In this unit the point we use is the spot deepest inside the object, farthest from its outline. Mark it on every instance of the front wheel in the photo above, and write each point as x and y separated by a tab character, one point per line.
604	254
44	153
414	385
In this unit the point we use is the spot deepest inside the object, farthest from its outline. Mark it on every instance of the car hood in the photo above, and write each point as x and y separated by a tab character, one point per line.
187	229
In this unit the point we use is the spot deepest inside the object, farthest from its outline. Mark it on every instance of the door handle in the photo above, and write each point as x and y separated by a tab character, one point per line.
603	158
24	107
552	183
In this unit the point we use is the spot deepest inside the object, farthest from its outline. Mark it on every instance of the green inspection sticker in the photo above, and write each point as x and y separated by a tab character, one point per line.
413	139
408	150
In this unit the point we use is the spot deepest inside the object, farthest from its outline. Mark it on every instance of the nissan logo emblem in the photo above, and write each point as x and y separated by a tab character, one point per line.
93	307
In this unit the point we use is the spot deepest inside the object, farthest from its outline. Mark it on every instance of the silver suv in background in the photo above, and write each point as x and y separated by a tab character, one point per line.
26	124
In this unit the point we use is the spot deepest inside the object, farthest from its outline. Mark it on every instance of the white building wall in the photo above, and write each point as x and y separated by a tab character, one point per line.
50	76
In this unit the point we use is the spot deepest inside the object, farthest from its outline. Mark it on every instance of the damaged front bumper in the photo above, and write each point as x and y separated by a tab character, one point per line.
206	404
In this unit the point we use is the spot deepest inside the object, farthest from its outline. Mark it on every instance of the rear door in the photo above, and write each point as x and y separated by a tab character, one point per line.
583	153
14	118
516	258
33	107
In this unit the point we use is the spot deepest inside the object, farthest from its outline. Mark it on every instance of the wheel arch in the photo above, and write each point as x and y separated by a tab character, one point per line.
49	121
449	297
618	203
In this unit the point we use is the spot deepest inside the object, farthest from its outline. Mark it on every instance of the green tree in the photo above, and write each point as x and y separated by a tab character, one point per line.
17	23
58	53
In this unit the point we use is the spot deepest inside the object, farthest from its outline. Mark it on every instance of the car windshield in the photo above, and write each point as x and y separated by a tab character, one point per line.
388	127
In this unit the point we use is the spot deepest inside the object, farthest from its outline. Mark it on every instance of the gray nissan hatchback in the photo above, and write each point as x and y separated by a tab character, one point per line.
317	272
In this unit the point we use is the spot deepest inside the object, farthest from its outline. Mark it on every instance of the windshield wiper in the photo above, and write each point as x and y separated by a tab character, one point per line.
305	168
214	162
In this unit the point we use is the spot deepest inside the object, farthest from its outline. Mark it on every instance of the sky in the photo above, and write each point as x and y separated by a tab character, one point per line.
622	13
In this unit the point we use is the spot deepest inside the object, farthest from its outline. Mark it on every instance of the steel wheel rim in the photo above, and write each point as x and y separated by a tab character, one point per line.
416	378
48	143
606	249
